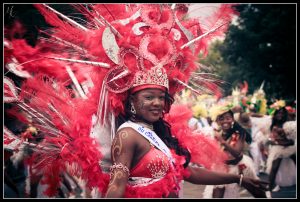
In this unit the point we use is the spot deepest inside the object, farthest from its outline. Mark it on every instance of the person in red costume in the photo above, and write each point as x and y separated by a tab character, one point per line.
117	69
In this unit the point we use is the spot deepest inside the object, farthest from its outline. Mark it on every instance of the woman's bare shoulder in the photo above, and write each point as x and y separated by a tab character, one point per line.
127	130
128	134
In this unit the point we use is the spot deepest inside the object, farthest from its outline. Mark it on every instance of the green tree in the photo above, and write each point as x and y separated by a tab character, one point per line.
215	64
261	46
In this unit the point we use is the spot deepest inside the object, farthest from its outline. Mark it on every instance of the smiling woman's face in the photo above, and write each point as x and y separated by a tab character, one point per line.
225	121
149	104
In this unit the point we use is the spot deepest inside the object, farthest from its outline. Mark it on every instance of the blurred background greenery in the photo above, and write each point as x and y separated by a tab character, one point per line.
259	46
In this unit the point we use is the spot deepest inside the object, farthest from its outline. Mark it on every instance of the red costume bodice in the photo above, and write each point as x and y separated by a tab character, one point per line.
154	164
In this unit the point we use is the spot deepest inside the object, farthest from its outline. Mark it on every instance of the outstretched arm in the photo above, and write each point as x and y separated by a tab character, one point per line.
206	177
284	142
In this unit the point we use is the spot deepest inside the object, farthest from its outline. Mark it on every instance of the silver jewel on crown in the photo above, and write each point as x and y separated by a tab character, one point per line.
156	75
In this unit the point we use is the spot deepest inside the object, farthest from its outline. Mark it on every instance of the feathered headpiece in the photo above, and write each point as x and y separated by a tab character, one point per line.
276	106
220	108
79	71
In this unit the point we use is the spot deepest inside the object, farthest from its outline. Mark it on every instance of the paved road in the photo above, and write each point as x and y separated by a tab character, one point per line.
196	191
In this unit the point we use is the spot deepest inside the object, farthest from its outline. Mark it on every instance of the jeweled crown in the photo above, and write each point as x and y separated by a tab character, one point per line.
156	76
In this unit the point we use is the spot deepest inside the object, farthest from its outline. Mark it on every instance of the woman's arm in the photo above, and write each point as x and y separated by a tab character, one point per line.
122	152
283	142
207	177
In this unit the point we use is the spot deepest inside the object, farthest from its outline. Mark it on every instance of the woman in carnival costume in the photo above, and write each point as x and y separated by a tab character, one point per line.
281	161
233	138
260	129
101	97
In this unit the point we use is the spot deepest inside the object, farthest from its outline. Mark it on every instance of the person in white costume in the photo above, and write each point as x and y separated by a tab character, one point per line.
281	162
233	138
260	133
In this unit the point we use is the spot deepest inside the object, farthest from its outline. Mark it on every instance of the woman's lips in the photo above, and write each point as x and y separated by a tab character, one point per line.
225	125
155	111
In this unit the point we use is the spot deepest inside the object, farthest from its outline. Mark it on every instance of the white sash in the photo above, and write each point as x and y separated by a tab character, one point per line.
149	135
156	141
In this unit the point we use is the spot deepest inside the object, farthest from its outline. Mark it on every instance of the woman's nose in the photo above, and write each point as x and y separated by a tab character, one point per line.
157	101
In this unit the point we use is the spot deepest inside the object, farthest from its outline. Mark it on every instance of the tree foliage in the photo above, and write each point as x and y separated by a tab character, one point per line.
260	46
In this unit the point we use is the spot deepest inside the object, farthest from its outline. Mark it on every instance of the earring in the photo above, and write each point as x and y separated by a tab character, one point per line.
132	109
232	123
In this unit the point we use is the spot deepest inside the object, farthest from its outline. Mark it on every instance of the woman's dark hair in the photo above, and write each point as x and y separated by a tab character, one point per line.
161	128
279	122
237	127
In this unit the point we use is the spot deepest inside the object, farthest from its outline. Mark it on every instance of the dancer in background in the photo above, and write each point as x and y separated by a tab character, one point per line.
232	138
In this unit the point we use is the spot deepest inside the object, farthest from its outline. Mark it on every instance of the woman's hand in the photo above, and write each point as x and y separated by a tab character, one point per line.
220	139
255	186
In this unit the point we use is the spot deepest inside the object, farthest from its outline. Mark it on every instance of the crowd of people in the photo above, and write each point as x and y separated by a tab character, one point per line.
260	138
100	110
